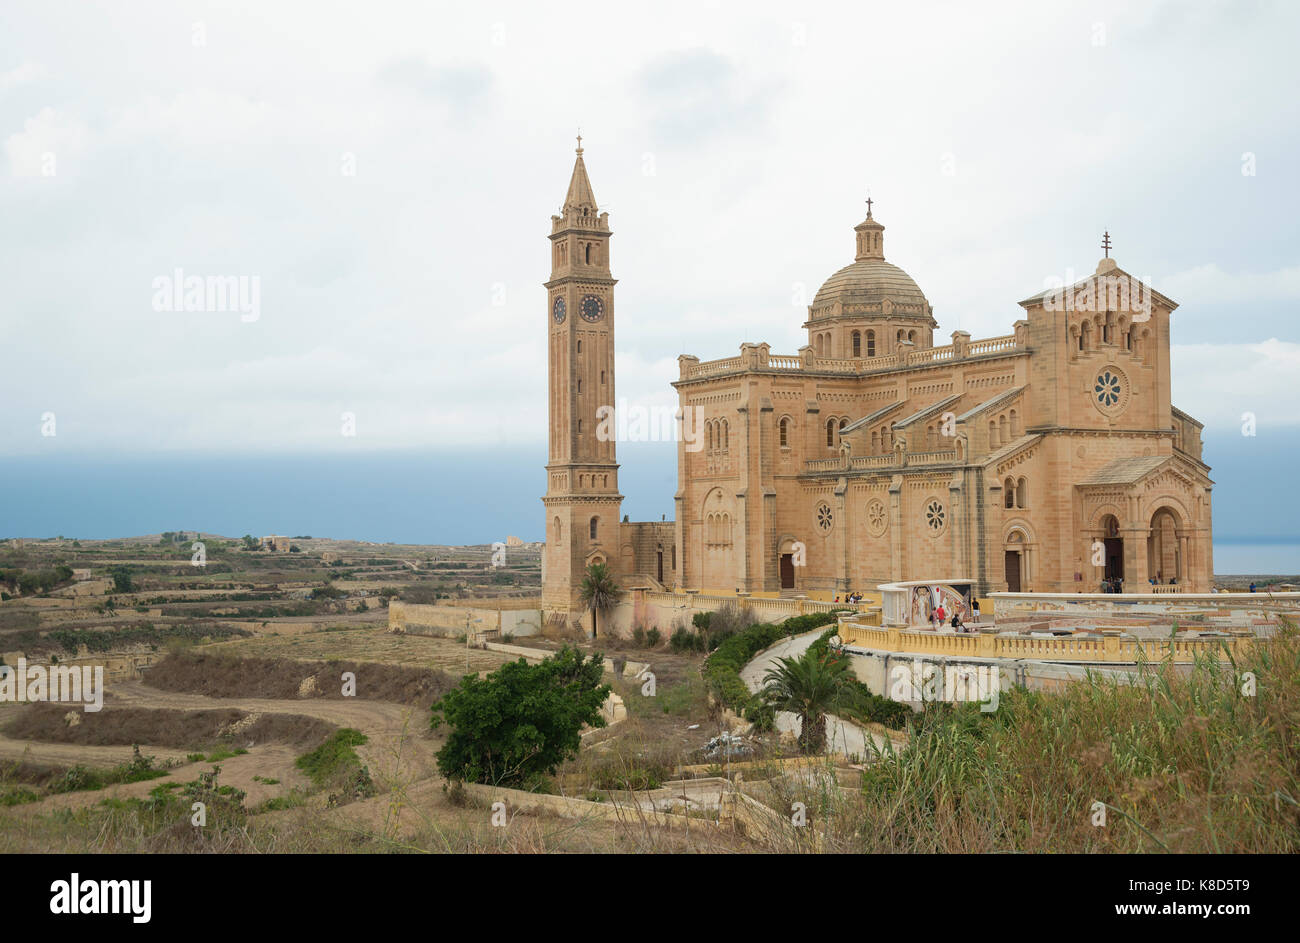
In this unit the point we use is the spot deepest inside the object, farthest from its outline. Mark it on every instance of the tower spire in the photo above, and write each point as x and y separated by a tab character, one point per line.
580	196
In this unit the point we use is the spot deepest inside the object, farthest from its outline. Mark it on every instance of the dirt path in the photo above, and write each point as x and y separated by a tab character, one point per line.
399	751
399	747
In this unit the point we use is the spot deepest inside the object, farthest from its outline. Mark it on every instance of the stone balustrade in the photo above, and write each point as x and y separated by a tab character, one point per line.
692	369
1068	648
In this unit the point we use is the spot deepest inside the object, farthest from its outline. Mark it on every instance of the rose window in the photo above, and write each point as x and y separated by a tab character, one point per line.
1108	388
935	516
877	519
825	519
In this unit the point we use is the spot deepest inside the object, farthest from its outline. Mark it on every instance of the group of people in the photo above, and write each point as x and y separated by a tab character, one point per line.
851	597
939	615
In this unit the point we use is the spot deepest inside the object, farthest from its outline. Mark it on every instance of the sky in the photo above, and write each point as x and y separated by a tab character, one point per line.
384	175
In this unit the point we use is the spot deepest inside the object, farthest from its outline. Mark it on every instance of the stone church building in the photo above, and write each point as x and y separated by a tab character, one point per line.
1049	459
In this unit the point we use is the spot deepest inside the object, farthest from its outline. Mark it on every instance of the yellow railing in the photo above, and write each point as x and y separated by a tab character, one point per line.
1110	648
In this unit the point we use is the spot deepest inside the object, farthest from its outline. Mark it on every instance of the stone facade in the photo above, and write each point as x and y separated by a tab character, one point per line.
1048	459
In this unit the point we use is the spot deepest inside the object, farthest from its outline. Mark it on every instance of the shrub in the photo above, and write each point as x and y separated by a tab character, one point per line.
722	668
653	638
521	720
684	640
334	758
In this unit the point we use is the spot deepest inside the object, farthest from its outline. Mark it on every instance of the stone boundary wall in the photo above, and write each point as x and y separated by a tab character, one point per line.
643	806
664	610
449	621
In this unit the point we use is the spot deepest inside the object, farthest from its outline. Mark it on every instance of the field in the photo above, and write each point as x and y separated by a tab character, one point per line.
245	710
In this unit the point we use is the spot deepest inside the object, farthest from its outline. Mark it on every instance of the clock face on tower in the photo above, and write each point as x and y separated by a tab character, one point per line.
558	311
593	309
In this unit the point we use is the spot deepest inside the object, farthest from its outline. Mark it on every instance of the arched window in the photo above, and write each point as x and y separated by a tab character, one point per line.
1009	493
1002	429
871	343
875	441
899	339
602	376
588	253
1021	486
993	434
708	433
579	384
726	434
1015	424
843	424
890	443
911	336
1085	336
579	346
857	343
557	530
579	427
785	433
830	433
592	527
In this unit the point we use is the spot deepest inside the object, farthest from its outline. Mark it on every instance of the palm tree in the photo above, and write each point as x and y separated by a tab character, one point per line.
811	686
599	593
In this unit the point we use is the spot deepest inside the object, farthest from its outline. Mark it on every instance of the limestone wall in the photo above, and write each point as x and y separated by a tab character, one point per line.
1213	610
451	620
665	611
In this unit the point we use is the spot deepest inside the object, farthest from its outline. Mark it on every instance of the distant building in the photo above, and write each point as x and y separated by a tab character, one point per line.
276	542
514	542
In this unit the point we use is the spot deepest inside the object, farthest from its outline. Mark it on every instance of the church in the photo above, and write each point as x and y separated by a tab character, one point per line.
1049	459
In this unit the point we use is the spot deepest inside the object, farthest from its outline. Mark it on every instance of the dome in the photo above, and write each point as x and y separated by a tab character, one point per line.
867	283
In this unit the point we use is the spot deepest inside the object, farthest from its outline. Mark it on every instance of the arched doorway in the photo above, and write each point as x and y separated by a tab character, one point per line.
785	562
1113	549
1013	561
1164	559
659	563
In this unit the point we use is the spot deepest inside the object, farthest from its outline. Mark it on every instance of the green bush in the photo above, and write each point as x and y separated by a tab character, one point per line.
684	640
333	758
653	638
722	668
521	720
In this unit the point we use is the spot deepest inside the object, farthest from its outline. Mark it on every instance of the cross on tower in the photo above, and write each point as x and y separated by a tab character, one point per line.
868	207
1105	242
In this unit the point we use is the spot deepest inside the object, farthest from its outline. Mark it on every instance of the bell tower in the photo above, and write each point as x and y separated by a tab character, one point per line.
582	499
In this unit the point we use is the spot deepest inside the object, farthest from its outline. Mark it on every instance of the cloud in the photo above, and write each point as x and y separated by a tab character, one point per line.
695	95
48	144
24	74
461	87
1209	284
1218	383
